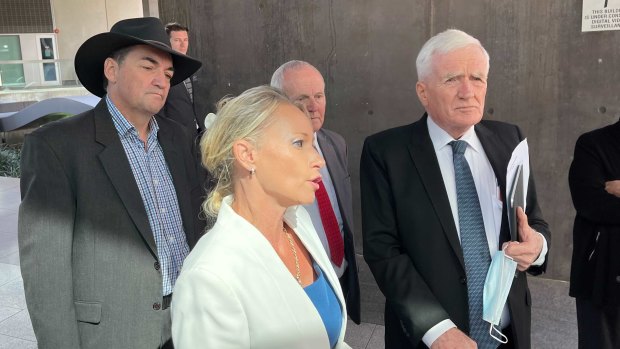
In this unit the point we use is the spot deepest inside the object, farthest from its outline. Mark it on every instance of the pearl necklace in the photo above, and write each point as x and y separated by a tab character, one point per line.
290	242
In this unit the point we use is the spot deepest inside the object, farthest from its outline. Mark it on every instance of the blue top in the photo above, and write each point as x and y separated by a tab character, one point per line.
326	303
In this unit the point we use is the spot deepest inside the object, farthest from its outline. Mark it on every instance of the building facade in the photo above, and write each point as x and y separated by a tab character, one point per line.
39	38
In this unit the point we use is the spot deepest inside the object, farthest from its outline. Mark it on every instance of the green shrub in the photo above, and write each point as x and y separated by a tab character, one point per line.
9	160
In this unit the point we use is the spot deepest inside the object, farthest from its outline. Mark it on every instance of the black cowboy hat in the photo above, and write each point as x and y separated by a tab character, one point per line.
150	31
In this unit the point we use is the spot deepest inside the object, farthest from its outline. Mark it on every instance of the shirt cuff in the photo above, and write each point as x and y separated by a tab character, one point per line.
543	253
436	331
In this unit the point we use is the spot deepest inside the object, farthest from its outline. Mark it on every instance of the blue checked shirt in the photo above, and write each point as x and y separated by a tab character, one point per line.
154	180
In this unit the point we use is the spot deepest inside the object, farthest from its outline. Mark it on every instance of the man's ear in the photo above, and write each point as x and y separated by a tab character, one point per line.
110	69
420	89
245	154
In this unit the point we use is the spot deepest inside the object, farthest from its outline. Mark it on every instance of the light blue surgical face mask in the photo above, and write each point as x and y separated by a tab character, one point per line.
496	288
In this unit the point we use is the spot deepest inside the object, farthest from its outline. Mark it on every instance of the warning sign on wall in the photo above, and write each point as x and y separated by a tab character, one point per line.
599	15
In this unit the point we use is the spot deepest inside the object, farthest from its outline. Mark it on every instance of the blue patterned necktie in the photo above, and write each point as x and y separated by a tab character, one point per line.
474	244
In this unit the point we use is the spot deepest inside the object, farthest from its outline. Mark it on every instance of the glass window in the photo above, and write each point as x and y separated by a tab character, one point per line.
10	50
47	52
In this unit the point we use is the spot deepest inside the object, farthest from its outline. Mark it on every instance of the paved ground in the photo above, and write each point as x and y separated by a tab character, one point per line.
553	315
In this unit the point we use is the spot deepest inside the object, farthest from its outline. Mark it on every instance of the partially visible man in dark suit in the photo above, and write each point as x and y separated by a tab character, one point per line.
180	105
434	212
332	211
110	199
594	180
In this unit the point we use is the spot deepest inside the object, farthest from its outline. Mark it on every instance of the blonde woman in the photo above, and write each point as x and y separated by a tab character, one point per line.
260	277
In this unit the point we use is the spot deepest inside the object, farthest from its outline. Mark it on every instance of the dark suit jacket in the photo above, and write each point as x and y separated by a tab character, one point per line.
180	108
410	238
595	269
334	150
88	256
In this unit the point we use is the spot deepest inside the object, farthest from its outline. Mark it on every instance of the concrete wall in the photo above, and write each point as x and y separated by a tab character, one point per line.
151	8
546	76
70	17
176	11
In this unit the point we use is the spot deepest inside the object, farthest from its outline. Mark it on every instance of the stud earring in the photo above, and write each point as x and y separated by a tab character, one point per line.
252	171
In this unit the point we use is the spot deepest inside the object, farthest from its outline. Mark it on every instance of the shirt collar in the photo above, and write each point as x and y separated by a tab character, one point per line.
315	143
441	138
123	126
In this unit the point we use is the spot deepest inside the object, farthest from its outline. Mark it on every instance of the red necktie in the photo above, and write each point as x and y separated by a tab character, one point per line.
330	225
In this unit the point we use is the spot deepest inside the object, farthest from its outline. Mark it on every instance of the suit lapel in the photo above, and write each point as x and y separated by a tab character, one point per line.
190	97
331	161
174	160
333	165
329	154
425	161
498	152
115	163
327	149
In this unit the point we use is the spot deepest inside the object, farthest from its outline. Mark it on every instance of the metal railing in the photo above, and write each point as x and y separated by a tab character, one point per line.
37	74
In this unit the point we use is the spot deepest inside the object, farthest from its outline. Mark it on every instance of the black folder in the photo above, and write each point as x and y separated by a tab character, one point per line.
516	199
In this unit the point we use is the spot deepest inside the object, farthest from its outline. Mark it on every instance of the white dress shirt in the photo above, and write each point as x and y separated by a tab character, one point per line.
315	215
489	194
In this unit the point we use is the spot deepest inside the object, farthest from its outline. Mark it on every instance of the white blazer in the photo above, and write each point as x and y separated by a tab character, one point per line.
235	292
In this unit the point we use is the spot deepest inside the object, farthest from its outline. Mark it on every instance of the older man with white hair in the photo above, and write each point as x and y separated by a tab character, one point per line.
332	211
434	213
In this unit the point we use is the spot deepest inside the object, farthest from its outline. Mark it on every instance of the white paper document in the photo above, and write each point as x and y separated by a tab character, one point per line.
516	193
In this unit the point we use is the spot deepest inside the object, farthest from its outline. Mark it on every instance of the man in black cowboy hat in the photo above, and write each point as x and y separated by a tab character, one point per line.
110	199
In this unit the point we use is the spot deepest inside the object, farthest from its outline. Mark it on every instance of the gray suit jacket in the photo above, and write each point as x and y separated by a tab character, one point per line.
334	150
88	256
